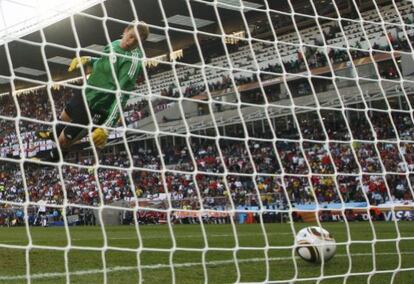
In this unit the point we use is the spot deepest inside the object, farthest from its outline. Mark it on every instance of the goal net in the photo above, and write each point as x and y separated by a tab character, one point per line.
240	123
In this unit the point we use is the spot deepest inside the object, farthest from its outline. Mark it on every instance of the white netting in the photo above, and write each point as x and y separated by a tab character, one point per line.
270	113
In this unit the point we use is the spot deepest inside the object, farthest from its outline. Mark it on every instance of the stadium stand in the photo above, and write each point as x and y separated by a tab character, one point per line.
374	151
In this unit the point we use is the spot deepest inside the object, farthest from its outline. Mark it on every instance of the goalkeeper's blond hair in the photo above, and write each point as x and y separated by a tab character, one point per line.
142	29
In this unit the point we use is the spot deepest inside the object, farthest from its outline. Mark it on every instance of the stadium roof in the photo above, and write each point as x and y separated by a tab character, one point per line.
22	17
89	26
58	41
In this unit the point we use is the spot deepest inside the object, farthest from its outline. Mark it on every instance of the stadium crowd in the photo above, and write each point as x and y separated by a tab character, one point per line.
309	173
310	161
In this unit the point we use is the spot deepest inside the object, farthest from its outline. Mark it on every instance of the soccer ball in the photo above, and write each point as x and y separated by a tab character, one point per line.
314	244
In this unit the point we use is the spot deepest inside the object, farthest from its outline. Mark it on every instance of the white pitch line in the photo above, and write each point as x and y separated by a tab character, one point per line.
163	266
167	236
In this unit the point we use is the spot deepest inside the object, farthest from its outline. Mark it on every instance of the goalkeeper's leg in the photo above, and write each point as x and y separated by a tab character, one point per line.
67	136
75	112
48	134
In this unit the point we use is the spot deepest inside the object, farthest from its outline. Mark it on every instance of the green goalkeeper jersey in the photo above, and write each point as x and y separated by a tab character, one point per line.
127	66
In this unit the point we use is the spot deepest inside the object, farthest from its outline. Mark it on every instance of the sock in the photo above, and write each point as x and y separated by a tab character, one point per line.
51	155
54	155
59	128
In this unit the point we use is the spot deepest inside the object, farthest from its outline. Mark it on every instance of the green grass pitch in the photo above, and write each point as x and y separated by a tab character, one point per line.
85	257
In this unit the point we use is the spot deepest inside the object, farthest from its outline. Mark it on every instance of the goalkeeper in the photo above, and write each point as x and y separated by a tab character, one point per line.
102	105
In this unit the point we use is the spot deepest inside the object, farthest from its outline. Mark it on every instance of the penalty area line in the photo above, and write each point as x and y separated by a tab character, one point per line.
164	266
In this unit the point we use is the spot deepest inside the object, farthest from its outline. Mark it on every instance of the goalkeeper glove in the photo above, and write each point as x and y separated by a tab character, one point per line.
100	137
78	61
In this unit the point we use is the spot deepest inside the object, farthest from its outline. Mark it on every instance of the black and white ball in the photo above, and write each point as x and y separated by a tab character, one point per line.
314	244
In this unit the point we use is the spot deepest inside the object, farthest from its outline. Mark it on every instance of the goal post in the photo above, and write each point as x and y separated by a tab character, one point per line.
240	123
